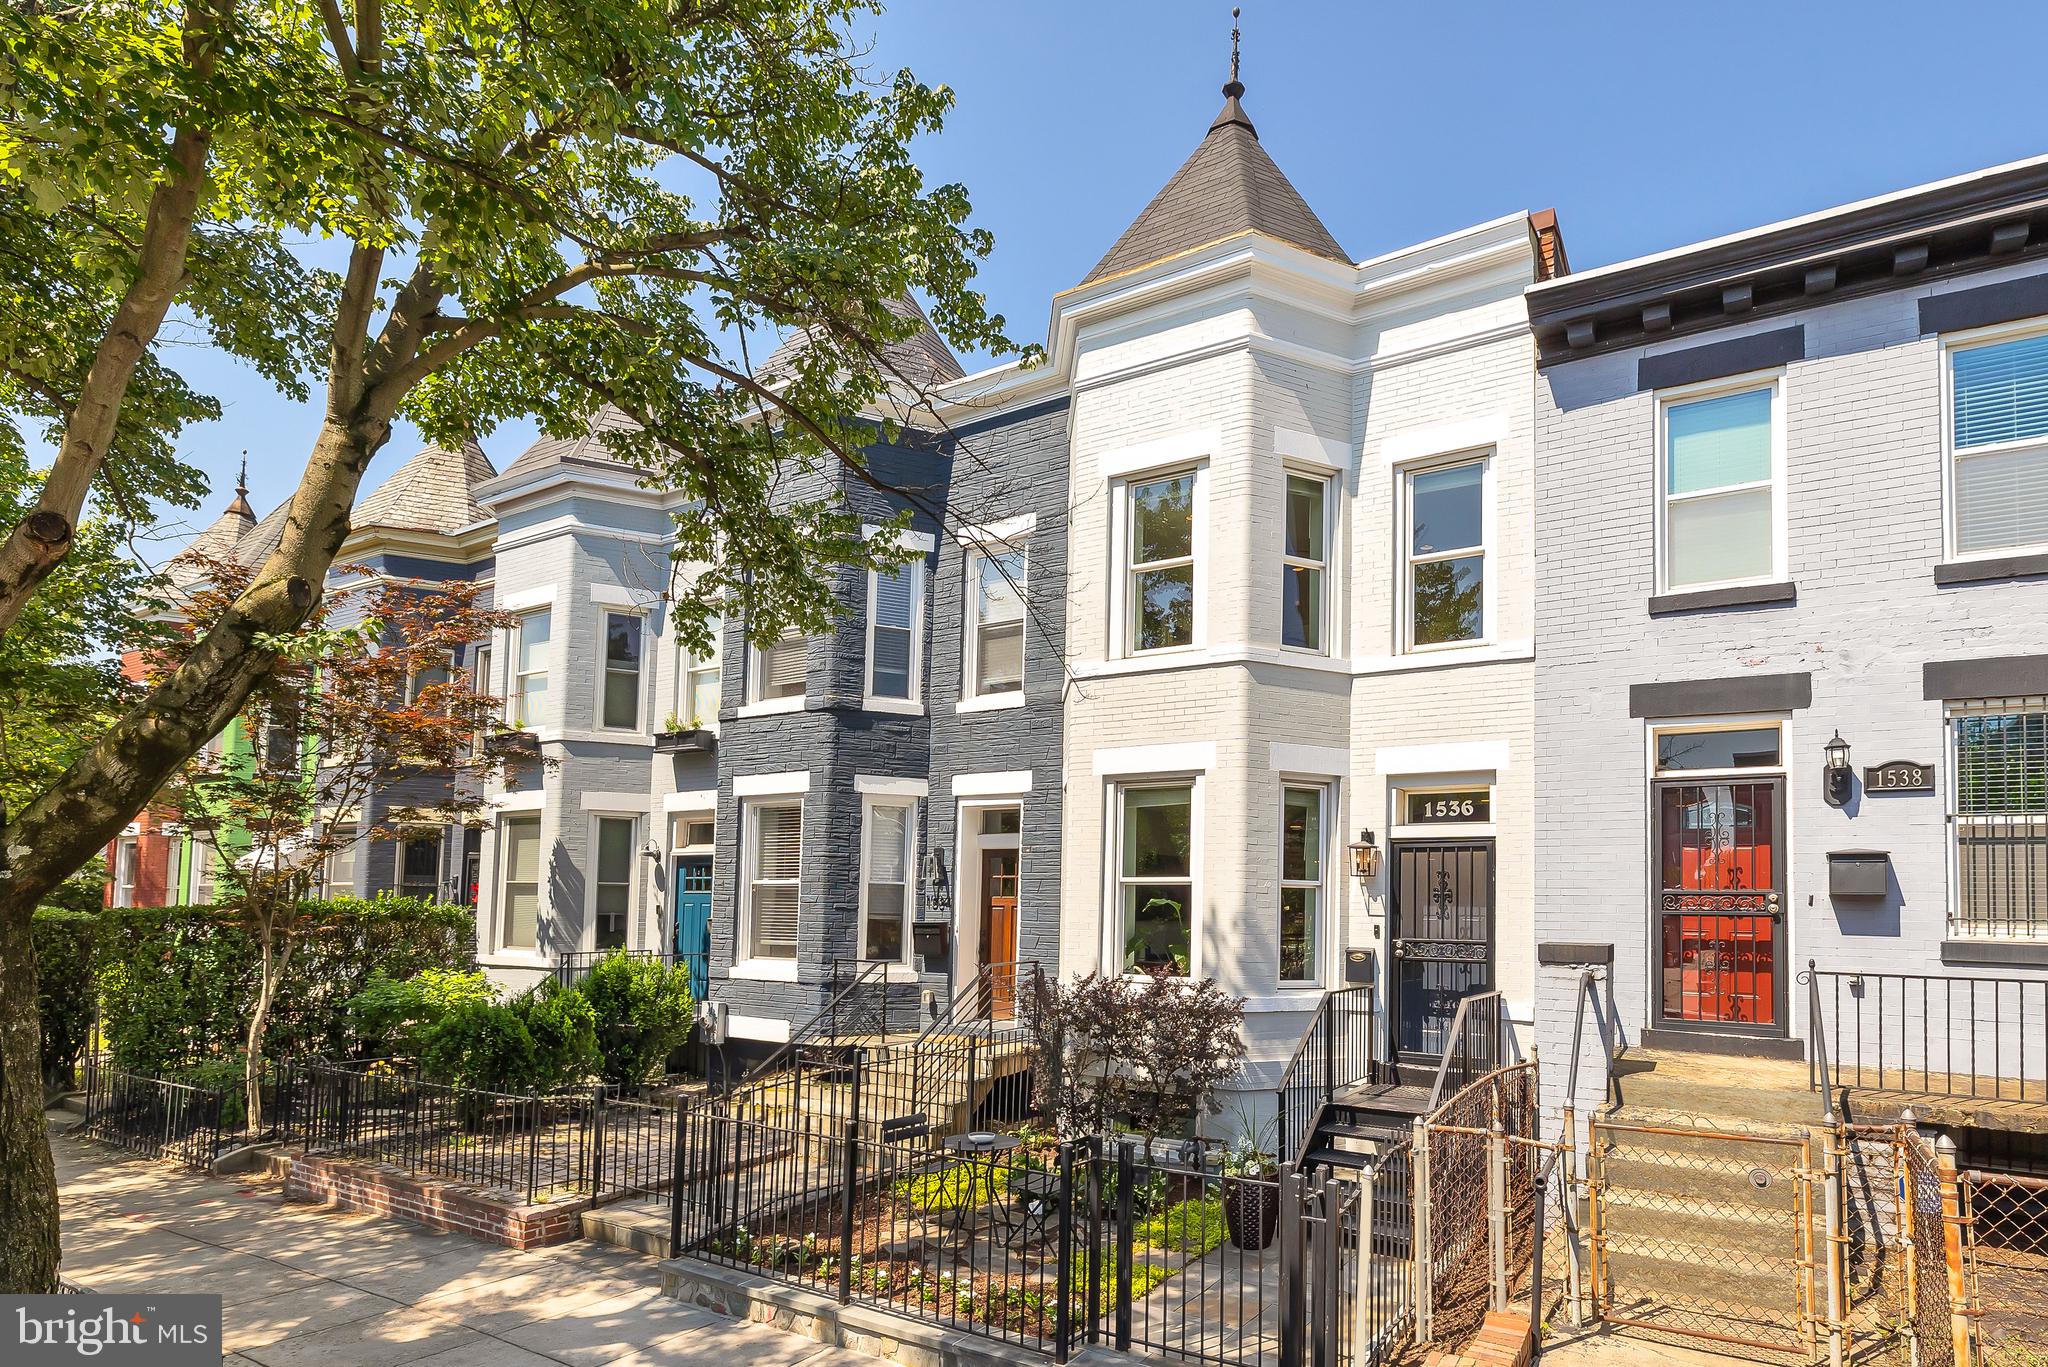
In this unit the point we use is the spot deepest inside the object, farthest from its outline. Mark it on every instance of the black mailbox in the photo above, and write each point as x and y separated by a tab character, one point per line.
1859	873
1357	965
931	940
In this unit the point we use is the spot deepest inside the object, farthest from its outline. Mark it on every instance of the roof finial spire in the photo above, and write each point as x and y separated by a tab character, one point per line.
1234	88
242	479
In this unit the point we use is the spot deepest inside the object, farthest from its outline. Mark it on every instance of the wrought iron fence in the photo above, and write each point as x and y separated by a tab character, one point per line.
573	967
157	1117
1929	1034
1335	1051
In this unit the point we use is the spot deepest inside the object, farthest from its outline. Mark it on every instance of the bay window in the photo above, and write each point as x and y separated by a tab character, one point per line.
530	668
1999	446
1155	882
779	668
1160	555
995	622
1301	883
893	607
1304	564
1722	507
773	855
519	882
888	839
338	870
619	707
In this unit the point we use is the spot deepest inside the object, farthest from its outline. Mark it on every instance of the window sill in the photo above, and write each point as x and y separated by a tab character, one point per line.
1995	953
773	707
517	958
991	702
1736	596
765	970
1991	569
895	707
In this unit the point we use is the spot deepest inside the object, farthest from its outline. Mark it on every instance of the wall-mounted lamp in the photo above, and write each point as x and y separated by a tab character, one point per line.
1365	858
1835	779
938	892
651	851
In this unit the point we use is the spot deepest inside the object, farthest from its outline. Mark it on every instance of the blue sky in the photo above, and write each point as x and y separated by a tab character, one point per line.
1645	124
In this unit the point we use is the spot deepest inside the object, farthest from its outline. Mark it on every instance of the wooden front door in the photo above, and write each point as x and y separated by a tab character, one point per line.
1721	905
999	928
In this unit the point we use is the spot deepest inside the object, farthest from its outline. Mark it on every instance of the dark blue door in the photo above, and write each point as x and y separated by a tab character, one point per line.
693	918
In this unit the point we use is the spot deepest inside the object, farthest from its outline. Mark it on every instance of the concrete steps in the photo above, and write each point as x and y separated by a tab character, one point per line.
636	1226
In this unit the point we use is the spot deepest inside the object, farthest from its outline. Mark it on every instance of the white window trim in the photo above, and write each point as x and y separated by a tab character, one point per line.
128	860
758	706
744	956
588	939
515	691
1953	820
1326	629
870	700
1774	381
1665	726
1122	607
688	664
868	802
1400	828
501	865
1971	340
1323	932
640	727
971	698
1112	944
1489	551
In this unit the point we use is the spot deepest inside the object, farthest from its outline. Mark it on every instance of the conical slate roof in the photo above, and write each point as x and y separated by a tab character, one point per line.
1228	186
587	450
435	491
922	359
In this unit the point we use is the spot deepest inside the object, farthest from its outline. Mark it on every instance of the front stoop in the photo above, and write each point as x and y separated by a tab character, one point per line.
1503	1340
807	1314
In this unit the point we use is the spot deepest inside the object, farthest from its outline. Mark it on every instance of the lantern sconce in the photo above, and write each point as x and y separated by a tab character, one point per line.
1835	779
937	891
1365	858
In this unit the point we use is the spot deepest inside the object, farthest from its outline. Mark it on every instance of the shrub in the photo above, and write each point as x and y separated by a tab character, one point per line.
643	1011
176	984
393	1017
65	946
539	1040
1144	1053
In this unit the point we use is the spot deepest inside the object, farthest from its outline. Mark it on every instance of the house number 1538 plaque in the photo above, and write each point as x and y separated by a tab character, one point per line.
1900	776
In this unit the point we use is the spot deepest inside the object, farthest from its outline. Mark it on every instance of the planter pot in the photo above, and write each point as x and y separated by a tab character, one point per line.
1251	1212
698	741
514	743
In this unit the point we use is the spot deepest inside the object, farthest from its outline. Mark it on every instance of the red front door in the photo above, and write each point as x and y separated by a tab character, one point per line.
1720	907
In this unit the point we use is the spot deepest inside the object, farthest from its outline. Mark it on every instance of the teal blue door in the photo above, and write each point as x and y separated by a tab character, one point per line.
693	918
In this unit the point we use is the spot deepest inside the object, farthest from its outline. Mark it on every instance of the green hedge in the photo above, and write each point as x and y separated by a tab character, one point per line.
177	983
65	944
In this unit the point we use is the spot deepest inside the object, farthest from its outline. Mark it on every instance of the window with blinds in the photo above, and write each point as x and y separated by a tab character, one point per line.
620	708
1720	517
996	625
1999	436
519	881
338	871
774	854
530	668
892	631
613	901
1999	816
779	667
885	883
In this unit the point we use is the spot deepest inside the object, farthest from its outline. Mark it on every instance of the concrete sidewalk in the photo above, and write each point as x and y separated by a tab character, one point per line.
300	1286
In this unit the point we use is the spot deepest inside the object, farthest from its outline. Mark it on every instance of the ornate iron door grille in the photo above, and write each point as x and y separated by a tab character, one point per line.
1443	940
1721	905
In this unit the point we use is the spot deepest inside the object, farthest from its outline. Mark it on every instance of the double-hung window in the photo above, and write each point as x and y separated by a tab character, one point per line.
893	607
530	668
420	682
1999	816
1445	543
697	705
1304	563
774	853
1721	519
890	833
619	708
1155	877
995	622
1161	558
1999	446
1301	883
612	900
779	667
338	874
519	882
127	862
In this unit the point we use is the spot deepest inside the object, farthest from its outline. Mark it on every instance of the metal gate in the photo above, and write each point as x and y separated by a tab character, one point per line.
1706	1234
1443	942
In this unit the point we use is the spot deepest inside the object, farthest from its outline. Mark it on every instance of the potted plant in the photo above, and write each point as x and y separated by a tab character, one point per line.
1251	1191
677	737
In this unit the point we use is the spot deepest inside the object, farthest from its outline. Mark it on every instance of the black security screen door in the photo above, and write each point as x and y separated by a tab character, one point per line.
1443	940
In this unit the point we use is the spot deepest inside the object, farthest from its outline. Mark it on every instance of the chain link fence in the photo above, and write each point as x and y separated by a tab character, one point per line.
2006	1218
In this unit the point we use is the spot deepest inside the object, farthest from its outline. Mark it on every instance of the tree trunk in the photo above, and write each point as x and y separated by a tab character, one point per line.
275	961
28	1178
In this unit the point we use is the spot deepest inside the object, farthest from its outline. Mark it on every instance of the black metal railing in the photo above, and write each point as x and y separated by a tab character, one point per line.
1335	1051
157	1117
1928	1034
572	968
1480	1040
